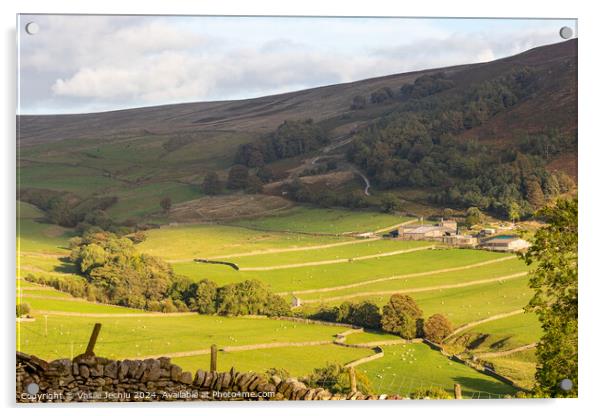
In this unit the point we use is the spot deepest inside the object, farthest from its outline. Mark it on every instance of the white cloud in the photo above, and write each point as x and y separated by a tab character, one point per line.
107	62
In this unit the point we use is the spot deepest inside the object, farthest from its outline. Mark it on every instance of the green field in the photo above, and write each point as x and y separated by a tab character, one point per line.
146	335
137	201
43	291
192	241
485	272
324	221
359	248
368	336
298	361
463	305
34	235
323	276
137	336
519	367
140	335
406	367
505	334
113	164
83	179
63	304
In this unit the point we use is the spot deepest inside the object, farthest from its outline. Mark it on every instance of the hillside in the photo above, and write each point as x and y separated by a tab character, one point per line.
265	113
139	155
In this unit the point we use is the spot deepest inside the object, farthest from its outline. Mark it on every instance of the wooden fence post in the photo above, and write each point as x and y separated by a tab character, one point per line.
93	338
352	379
213	366
457	391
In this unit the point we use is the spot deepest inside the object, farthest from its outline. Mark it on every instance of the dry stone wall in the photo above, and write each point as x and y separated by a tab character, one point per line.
91	378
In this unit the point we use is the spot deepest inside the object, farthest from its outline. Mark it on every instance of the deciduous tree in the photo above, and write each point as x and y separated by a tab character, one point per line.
165	204
238	177
402	316
211	184
555	301
437	327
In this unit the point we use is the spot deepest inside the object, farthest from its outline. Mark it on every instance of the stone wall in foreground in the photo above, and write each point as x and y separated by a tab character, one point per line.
87	379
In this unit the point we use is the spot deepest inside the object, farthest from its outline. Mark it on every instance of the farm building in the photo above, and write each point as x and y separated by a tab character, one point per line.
428	232
422	232
459	240
450	224
505	243
487	232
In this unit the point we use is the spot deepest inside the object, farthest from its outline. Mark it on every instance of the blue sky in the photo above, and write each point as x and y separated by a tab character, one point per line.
78	64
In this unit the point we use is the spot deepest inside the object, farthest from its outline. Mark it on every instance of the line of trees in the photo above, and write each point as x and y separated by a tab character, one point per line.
112	271
423	86
400	316
291	138
67	209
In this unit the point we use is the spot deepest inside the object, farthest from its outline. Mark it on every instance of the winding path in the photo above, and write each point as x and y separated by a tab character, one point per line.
366	181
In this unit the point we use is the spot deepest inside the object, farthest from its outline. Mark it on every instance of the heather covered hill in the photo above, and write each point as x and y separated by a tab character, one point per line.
499	135
266	113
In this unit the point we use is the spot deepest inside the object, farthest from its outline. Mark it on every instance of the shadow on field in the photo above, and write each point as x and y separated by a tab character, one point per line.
66	266
470	385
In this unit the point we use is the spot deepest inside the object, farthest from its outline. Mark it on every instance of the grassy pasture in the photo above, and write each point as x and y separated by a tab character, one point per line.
467	304
506	333
137	336
488	271
406	367
191	241
42	291
139	200
369	336
70	304
361	248
210	150
298	361
320	220
316	277
129	167
25	283
519	367
64	177
28	211
140	335
34	235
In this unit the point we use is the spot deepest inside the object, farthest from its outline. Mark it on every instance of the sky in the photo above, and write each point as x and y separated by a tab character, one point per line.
80	64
